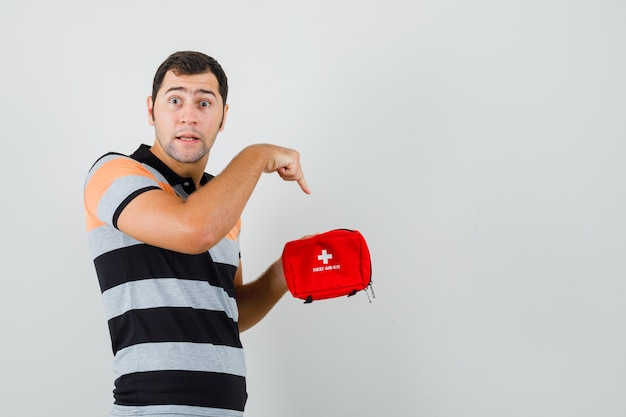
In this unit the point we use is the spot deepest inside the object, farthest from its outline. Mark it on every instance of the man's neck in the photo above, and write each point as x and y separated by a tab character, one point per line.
193	170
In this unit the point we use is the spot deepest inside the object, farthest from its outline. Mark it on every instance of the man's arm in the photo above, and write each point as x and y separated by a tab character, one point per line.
255	299
195	225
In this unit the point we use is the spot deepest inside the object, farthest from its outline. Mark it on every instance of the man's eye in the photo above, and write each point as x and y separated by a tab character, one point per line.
174	100
205	103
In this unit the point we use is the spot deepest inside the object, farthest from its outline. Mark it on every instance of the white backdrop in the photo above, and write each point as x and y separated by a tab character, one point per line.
478	146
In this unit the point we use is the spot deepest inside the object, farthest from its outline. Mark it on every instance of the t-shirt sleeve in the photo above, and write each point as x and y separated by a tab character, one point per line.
111	184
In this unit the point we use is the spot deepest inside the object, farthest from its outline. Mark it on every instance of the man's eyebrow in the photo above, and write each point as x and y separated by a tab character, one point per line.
210	92
196	92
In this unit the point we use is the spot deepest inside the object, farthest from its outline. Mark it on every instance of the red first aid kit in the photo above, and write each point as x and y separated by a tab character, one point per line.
328	265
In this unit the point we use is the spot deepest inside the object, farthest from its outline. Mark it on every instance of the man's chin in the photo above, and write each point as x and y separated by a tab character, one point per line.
186	157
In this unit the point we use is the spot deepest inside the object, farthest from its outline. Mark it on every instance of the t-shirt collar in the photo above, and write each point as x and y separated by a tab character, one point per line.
143	155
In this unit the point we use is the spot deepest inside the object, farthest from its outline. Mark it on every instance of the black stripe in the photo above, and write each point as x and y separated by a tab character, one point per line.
173	324
200	389
142	261
128	199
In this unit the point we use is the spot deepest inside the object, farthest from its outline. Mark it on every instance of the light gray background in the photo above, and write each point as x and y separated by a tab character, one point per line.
478	145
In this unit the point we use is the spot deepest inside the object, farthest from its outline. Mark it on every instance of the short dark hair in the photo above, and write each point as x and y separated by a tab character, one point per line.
190	63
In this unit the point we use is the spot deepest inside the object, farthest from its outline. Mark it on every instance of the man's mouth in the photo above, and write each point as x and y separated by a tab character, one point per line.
186	138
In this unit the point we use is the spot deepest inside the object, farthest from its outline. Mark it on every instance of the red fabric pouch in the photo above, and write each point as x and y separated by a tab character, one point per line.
327	265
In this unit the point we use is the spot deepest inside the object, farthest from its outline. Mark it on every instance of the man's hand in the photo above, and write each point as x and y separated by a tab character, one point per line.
285	162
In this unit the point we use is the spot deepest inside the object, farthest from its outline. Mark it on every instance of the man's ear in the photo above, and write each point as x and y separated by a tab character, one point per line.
224	117
150	106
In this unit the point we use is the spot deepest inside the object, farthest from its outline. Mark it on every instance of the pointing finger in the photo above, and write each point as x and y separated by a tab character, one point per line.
305	187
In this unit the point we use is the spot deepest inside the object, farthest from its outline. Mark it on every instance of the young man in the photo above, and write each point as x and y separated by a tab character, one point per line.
164	239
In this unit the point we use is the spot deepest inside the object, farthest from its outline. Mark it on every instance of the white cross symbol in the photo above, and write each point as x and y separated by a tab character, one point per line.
325	256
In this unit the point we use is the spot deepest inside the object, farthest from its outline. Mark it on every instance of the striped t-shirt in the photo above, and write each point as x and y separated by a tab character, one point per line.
172	317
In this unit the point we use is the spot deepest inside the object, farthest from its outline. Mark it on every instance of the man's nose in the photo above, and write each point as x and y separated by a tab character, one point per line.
188	115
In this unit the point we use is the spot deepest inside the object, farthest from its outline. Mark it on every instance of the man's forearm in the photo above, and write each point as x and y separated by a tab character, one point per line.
218	205
257	298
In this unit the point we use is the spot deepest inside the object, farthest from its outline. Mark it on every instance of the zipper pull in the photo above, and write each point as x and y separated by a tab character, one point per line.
370	287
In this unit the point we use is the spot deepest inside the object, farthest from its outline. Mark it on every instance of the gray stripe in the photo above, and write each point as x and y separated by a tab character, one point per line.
175	356
167	292
156	173
172	411
226	252
118	191
106	238
180	191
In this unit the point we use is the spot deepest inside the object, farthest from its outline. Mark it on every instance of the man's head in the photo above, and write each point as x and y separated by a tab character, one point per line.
187	107
190	63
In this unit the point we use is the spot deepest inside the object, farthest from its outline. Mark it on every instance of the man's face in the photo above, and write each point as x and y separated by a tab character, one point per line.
187	115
